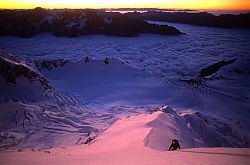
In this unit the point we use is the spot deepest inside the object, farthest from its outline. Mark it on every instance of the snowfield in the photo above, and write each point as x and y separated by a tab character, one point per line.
126	142
86	97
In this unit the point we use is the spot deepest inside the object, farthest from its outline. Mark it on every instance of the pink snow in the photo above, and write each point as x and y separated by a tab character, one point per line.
123	143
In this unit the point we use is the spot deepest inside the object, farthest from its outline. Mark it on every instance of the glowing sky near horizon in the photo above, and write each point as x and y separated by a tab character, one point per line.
178	4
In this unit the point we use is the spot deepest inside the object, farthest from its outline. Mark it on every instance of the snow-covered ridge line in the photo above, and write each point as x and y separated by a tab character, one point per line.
191	128
12	68
50	64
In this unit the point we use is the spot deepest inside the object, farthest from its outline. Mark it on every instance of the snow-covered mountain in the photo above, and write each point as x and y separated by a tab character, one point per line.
72	23
51	103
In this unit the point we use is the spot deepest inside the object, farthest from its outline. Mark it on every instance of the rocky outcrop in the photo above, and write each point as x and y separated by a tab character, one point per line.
214	68
12	68
50	64
72	23
209	71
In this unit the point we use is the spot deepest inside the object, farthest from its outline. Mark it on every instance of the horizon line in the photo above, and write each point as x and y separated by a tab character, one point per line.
133	8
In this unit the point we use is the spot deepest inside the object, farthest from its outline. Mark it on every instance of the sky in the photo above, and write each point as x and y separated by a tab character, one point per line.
176	4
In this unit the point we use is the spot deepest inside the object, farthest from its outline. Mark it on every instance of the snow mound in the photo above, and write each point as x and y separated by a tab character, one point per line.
191	129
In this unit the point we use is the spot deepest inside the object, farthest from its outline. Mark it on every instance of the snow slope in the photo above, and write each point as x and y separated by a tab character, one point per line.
85	98
126	142
116	83
34	116
79	102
